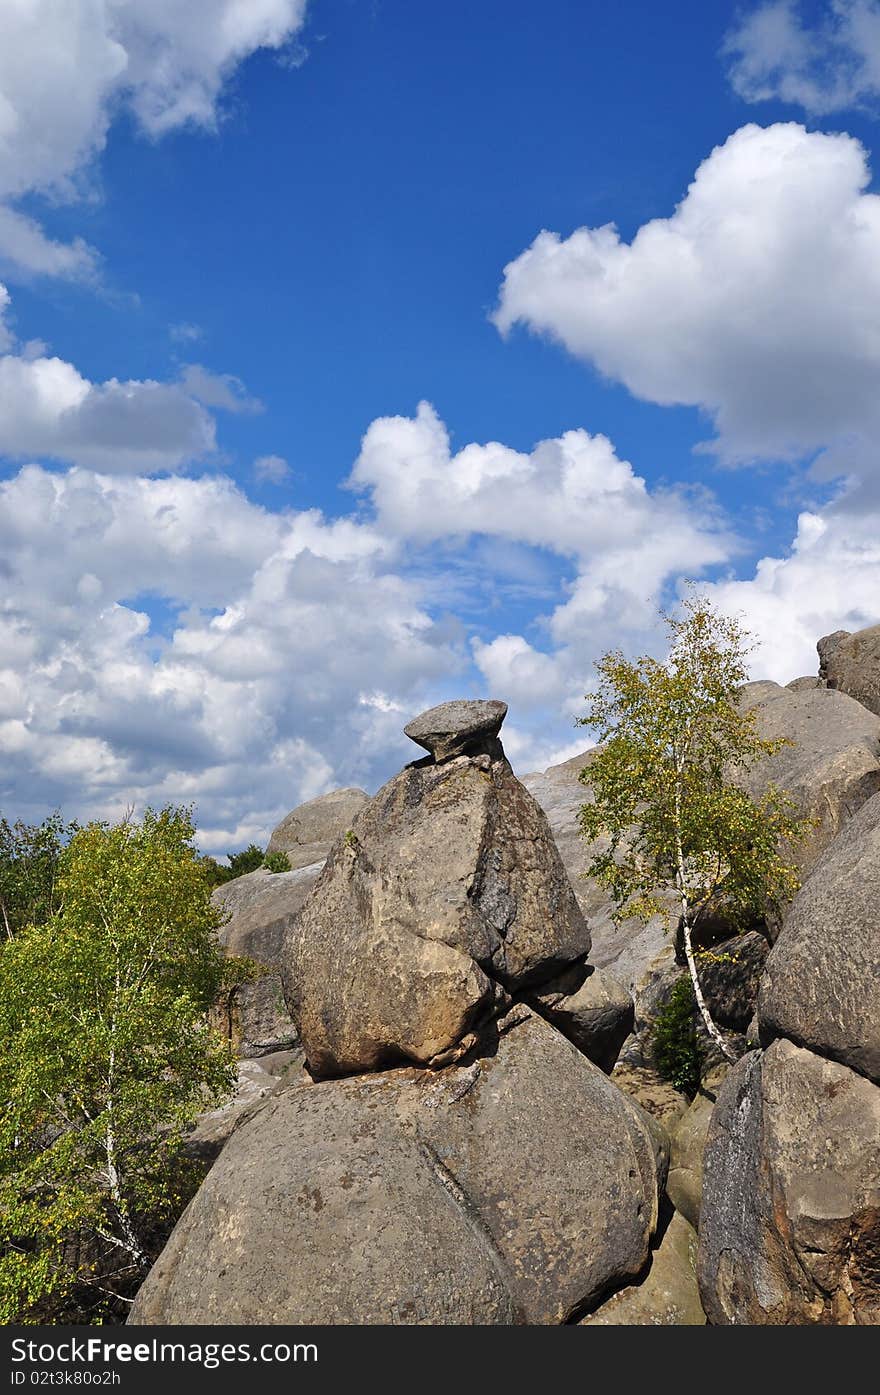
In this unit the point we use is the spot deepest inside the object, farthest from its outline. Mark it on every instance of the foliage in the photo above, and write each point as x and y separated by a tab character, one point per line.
240	863
667	784
29	855
276	862
674	1042
105	1055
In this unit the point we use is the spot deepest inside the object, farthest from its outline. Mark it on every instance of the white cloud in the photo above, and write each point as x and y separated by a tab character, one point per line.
221	390
828	65
168	639
757	300
48	409
829	580
67	67
271	469
246	699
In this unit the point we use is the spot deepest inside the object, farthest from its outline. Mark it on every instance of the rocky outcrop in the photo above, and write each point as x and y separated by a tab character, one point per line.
826	648
447	896
852	665
515	1187
308	832
832	765
821	986
513	1181
790	1218
261	906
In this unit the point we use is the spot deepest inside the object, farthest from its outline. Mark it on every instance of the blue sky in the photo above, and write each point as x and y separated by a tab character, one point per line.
241	241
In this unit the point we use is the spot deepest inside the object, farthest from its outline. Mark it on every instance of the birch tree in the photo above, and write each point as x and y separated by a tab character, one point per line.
667	788
106	1053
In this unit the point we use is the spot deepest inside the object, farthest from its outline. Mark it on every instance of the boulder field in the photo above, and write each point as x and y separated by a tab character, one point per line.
450	1110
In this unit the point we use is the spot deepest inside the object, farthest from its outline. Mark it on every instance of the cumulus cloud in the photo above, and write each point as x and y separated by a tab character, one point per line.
68	67
48	409
829	580
774	52
247	700
756	301
169	639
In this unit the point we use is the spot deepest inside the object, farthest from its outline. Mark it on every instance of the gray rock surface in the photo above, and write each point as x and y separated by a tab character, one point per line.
261	906
458	728
684	1184
667	1296
644	1084
448	892
516	1187
827	647
790	1218
853	667
591	1009
800	685
821	985
832	767
729	974
308	832
256	1080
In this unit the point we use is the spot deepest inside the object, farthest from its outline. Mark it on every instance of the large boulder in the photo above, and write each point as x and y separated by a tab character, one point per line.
667	1296
308	832
260	907
591	1009
832	766
821	985
852	666
517	1187
447	894
790	1216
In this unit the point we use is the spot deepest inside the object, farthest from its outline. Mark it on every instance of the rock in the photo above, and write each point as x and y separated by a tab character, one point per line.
827	647
628	948
832	767
730	974
308	832
684	1184
667	1296
821	985
515	1188
800	685
256	1080
591	1009
458	729
644	1084
261	906
853	667
761	691
790	1218
448	894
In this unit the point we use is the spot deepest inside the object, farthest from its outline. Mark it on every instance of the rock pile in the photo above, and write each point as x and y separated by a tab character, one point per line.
795	1137
495	1174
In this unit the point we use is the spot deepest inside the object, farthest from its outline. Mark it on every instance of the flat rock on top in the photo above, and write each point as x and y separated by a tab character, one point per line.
457	728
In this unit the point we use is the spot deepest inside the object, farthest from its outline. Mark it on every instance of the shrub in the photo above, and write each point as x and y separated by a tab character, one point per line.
276	862
674	1043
